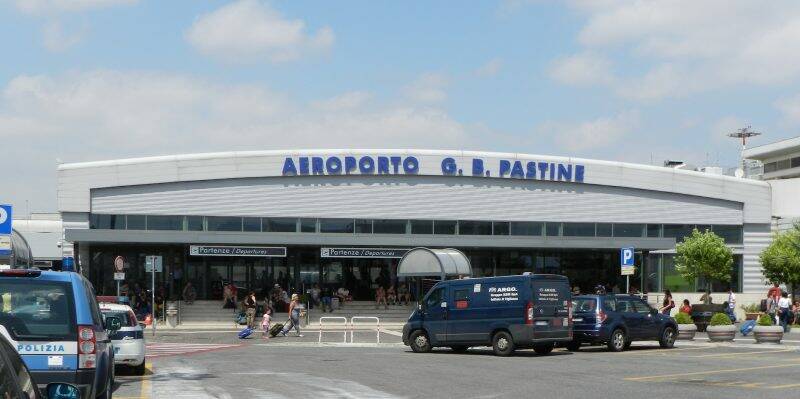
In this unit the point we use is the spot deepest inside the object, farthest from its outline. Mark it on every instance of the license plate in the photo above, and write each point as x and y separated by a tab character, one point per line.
577	319
541	323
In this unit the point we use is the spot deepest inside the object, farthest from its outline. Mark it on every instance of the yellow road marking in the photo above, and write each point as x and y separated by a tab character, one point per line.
667	376
654	351
145	390
784	386
744	353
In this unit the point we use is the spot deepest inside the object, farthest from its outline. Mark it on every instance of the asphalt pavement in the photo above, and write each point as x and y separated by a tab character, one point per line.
218	365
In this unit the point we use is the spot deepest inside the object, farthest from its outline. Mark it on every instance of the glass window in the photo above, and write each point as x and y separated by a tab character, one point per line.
224	223
107	222
654	230
604	229
677	231
159	222
336	225
526	228
703	227
628	230
136	222
641	307
422	227
364	226
578	230
625	306
783	164
672	280
584	305
474	228
552	229
308	225
122	315
652	273
500	228
447	227
38	310
609	305
461	295
387	226
434	299
731	234
280	225
194	223
796	162
770	167
251	224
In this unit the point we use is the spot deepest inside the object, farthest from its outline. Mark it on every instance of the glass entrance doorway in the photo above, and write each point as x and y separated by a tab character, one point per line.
361	276
256	274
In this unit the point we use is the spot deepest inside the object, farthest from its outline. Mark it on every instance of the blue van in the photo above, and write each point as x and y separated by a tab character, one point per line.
53	321
506	313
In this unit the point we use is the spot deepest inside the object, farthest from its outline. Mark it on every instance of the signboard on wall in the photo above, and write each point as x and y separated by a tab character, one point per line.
225	250
362	252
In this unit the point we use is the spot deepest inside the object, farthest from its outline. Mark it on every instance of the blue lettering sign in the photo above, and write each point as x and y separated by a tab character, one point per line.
316	166
333	165
477	167
505	167
579	173
383	165
366	166
288	167
303	165
531	170
564	172
516	171
542	170
349	165
449	166
396	164
411	165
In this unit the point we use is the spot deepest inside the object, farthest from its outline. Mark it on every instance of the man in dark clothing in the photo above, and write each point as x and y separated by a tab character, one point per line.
325	299
250	304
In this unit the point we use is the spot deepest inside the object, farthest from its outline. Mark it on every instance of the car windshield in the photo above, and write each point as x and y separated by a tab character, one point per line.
584	304
37	310
124	318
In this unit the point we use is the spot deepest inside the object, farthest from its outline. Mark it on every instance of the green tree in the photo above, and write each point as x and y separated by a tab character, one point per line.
704	256
780	261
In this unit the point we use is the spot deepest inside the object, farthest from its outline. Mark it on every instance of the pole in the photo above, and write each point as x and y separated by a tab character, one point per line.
153	295
628	284
117	287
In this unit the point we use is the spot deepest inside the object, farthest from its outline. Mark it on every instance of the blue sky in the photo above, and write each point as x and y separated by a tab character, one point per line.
636	81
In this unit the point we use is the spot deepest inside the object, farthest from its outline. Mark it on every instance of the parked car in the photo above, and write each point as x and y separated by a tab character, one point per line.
505	313
16	380
617	321
128	341
55	324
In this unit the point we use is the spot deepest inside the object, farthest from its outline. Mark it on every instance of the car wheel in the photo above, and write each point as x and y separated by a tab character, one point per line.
628	344
502	343
459	348
109	389
543	349
617	341
574	346
667	338
140	369
420	342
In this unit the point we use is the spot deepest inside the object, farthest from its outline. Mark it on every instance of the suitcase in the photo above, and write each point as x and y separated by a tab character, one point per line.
245	333
275	329
747	327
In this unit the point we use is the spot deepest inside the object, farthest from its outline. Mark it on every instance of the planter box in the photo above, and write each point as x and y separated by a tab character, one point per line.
768	334
686	332
752	316
721	333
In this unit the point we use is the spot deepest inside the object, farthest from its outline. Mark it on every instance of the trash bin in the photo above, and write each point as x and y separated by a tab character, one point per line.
172	314
701	314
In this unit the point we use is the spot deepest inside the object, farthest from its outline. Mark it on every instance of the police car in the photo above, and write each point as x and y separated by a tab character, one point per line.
128	341
53	321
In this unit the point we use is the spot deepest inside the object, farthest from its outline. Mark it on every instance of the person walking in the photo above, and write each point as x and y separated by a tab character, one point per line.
295	309
265	323
731	300
380	297
250	304
668	304
784	310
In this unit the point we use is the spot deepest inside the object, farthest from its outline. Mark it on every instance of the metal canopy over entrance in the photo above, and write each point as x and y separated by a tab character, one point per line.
426	262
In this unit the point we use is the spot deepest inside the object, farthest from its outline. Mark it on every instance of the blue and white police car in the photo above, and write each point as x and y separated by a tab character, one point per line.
128	341
53	321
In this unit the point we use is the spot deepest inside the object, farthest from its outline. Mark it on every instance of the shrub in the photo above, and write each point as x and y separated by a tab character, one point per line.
764	320
720	319
751	308
683	318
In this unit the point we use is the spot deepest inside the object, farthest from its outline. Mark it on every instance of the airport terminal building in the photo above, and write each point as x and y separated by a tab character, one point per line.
345	217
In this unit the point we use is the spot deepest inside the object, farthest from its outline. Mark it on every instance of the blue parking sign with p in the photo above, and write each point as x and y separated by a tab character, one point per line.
5	219
626	256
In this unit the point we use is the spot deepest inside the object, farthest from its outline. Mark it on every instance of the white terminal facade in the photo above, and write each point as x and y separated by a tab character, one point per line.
345	217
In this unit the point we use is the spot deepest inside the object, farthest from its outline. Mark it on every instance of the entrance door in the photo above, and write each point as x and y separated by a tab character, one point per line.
218	273
363	276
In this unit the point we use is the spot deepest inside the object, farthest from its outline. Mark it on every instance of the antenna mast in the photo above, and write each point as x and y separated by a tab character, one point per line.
744	133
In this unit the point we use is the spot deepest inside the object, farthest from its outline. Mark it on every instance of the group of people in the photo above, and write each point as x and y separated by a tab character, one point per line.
323	297
392	296
780	307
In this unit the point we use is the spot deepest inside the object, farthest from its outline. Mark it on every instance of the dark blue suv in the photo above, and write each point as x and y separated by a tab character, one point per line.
617	321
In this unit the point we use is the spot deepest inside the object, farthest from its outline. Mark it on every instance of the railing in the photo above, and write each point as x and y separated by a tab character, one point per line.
377	326
335	321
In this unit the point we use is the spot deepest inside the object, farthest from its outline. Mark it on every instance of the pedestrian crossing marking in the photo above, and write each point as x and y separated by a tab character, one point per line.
173	349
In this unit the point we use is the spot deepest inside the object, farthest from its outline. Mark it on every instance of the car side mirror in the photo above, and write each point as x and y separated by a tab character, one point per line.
112	323
62	391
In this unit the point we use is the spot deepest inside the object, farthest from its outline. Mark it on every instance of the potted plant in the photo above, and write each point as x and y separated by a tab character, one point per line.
720	328
751	311
686	327
766	332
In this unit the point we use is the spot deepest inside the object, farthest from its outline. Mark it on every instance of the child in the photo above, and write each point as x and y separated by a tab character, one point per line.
265	325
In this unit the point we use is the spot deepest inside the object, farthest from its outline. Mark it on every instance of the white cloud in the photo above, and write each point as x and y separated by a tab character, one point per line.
490	68
112	114
591	135
57	6
689	46
790	108
428	88
250	30
56	39
584	69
